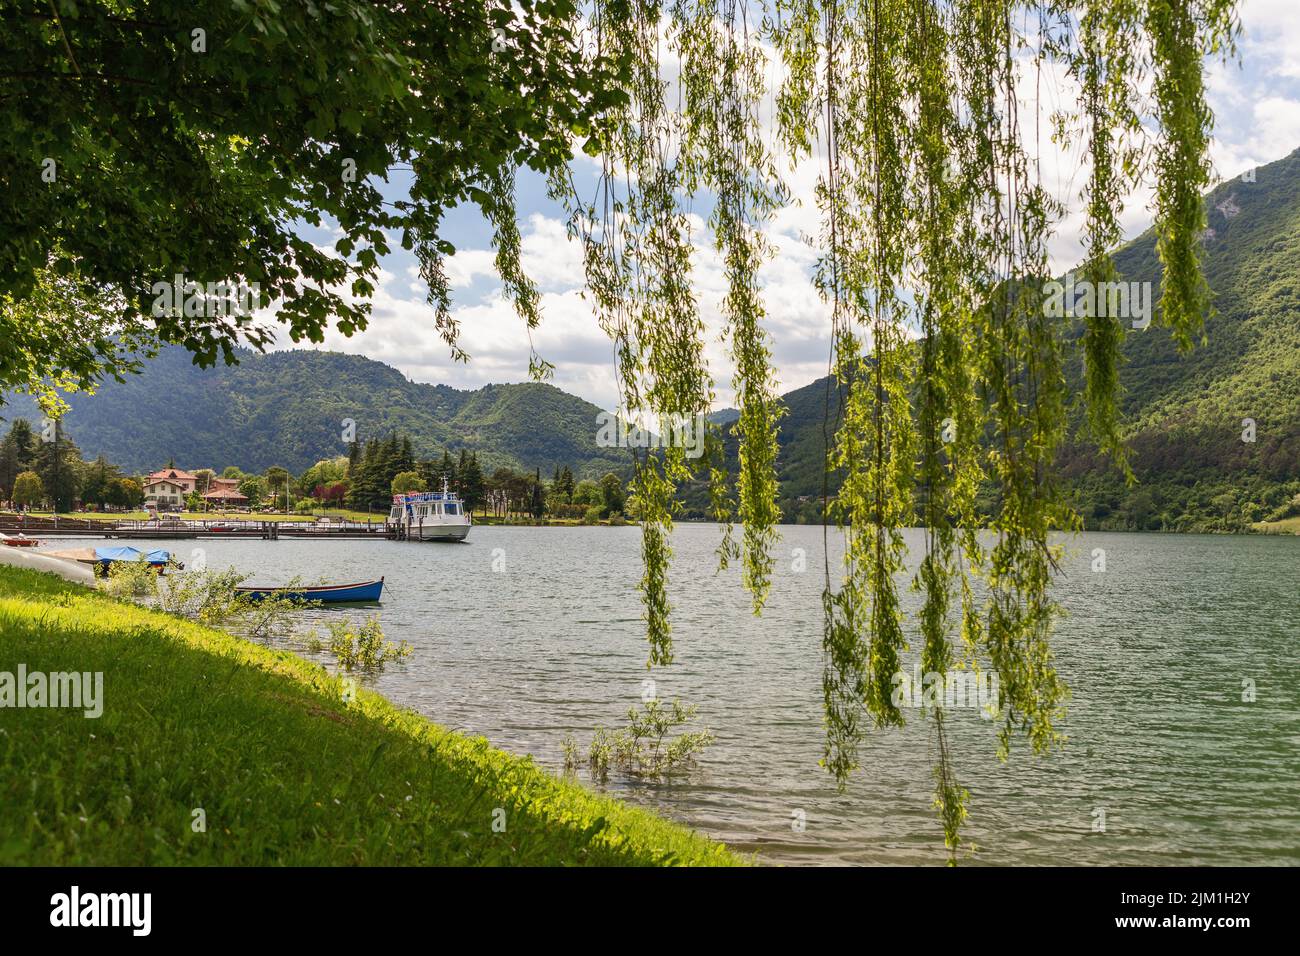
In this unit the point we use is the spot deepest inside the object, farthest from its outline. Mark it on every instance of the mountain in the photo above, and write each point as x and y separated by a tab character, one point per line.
1187	414
1184	414
290	409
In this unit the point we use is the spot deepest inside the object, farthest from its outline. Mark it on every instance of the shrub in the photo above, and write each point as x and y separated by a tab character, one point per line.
129	579
211	598
1289	509
364	648
645	748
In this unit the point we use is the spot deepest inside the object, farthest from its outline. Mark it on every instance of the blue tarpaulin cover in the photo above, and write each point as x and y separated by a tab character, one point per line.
132	554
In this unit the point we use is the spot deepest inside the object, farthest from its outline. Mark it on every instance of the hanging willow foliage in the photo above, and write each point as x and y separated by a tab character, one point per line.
723	81
948	366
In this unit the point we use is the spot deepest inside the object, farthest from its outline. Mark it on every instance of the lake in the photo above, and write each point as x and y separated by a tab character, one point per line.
526	635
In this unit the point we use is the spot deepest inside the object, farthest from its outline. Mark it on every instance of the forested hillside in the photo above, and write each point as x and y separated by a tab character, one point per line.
291	408
1185	414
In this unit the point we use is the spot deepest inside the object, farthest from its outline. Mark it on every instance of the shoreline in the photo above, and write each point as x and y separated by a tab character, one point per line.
284	762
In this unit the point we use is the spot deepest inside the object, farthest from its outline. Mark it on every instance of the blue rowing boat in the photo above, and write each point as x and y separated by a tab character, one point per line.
328	593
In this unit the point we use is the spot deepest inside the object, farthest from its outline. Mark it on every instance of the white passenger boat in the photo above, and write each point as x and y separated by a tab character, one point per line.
429	516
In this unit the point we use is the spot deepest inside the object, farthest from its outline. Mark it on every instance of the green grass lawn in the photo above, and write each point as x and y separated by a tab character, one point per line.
264	743
1285	526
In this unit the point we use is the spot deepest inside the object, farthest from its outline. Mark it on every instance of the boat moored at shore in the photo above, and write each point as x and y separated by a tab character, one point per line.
366	591
429	516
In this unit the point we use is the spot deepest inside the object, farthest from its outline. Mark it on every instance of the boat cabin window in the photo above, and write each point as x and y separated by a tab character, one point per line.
431	509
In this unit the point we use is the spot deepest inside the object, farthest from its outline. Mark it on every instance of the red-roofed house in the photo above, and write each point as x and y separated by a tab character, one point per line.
225	496
175	475
168	488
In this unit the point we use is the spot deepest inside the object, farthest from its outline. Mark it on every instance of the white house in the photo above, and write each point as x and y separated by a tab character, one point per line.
180	476
164	493
168	488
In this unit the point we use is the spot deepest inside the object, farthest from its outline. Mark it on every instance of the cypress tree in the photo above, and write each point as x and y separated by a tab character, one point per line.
58	462
17	454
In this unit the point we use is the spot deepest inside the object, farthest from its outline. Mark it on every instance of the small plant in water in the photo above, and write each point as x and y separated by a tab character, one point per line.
599	755
572	755
364	648
646	748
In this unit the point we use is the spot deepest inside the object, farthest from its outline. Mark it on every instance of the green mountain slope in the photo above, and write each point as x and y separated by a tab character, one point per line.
290	409
1184	413
1249	365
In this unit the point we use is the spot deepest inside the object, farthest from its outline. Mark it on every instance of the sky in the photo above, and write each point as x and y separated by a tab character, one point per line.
1257	121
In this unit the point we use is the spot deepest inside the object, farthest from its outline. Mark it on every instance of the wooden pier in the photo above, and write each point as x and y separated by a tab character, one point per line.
192	530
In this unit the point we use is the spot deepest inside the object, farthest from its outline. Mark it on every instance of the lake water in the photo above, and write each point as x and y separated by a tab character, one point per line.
526	635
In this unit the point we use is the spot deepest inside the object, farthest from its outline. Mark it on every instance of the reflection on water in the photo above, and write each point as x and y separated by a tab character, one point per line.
525	635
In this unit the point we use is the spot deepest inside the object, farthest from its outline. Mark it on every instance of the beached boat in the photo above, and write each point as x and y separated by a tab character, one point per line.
328	593
106	557
430	516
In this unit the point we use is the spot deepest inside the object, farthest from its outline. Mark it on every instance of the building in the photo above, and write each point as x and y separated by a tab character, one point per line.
224	493
170	487
225	497
164	493
177	476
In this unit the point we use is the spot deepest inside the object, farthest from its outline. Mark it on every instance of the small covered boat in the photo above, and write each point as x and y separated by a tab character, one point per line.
327	593
106	557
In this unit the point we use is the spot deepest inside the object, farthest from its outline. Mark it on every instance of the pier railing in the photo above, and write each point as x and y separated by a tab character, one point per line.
251	527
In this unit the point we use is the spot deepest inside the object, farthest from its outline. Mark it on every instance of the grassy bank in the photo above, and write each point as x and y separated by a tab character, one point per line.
284	770
1285	526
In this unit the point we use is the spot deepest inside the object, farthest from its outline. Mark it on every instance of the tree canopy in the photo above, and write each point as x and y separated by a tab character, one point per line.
143	139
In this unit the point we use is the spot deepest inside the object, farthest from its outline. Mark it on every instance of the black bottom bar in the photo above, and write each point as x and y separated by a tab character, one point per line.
933	907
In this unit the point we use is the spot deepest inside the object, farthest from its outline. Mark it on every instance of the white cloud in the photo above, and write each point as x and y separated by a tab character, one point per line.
1258	121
